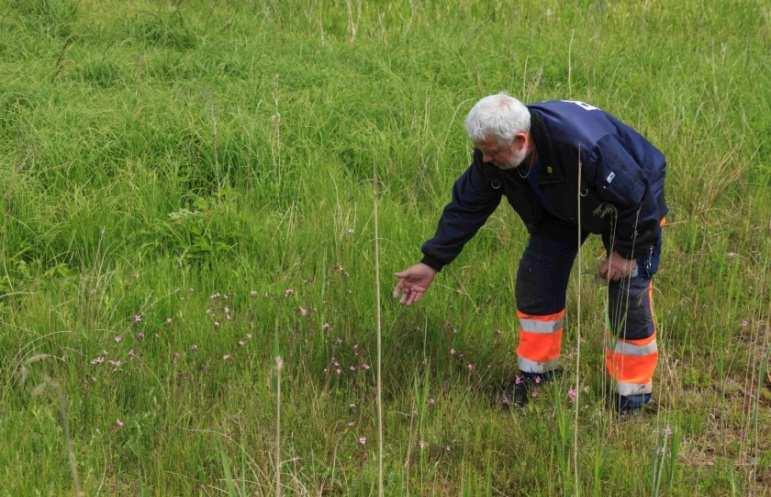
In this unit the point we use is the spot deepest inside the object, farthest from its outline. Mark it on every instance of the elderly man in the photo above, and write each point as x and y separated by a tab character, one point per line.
562	165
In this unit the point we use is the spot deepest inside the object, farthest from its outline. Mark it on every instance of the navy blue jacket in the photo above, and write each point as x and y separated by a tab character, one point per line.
622	184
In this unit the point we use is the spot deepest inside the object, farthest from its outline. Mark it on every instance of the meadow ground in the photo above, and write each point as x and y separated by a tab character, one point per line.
187	193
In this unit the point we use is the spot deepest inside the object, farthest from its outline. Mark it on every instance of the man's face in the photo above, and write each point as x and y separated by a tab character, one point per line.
504	156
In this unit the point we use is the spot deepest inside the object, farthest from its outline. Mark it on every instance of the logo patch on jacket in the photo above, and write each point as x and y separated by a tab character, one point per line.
610	177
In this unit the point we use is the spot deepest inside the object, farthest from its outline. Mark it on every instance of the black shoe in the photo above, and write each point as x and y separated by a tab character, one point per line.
631	404
519	390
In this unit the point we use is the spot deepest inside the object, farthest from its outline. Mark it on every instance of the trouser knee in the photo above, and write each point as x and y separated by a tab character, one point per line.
630	309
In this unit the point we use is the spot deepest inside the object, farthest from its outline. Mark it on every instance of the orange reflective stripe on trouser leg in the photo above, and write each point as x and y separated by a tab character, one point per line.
540	337
631	363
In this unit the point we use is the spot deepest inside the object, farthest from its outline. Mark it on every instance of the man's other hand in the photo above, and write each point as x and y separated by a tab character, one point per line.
413	283
616	267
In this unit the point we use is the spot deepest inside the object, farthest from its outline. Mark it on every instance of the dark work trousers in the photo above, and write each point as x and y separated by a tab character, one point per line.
542	280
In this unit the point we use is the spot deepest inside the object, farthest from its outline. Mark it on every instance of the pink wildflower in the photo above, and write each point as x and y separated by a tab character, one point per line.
572	394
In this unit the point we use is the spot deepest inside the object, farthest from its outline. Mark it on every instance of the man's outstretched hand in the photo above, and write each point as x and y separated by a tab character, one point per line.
413	283
616	267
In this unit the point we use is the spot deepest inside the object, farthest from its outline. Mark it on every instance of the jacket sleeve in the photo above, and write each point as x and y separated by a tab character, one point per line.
621	182
473	200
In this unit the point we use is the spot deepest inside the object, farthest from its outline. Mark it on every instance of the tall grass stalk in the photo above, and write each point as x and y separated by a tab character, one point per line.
279	368
378	322
577	489
61	399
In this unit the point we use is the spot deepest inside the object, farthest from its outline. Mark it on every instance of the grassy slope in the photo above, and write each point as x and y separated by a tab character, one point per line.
172	162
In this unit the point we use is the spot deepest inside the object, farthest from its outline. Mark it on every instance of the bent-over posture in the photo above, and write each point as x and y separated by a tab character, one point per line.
532	155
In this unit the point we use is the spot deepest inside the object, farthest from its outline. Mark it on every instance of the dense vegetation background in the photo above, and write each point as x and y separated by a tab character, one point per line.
186	193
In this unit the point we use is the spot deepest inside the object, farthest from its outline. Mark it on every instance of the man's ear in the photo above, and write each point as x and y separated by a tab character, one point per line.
520	139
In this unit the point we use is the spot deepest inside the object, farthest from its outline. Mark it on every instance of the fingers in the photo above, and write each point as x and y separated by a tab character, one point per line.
614	272
415	294
603	270
409	293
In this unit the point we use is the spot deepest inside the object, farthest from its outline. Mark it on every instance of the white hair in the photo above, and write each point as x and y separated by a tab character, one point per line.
497	116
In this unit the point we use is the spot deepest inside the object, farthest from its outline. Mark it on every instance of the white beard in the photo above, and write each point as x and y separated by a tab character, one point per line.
516	159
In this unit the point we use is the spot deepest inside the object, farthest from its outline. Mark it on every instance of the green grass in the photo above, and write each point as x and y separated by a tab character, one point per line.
172	160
